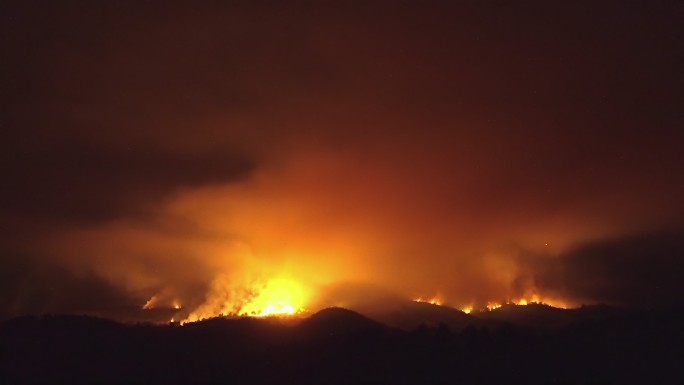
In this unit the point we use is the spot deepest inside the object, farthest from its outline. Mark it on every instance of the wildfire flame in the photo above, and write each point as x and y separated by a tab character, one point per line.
155	300
432	301
151	303
493	305
278	297
538	300
284	296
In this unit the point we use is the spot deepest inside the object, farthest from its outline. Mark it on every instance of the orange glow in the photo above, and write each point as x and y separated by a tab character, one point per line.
432	301
536	299
493	305
151	303
523	301
251	237
278	297
554	303
155	302
209	182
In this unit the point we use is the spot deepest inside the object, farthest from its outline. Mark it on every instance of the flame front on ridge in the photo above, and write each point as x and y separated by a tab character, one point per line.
277	297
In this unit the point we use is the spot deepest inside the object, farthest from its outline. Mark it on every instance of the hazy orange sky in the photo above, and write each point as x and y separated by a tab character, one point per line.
473	151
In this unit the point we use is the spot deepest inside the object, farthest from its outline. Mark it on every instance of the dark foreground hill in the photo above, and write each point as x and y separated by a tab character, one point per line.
337	346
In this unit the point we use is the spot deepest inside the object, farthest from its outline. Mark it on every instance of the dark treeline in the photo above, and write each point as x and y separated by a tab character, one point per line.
340	347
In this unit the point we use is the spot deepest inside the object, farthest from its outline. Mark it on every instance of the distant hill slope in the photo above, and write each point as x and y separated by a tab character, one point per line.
410	314
531	315
548	317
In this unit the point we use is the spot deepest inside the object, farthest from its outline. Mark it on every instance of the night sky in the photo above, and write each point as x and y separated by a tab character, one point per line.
475	151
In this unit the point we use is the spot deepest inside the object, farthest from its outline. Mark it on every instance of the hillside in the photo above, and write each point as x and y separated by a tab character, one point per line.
341	346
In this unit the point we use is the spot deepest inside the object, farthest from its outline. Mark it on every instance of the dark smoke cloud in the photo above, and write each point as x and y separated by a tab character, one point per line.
638	270
31	286
91	183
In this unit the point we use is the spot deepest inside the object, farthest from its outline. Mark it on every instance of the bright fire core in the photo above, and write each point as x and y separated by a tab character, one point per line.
285	296
279	297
